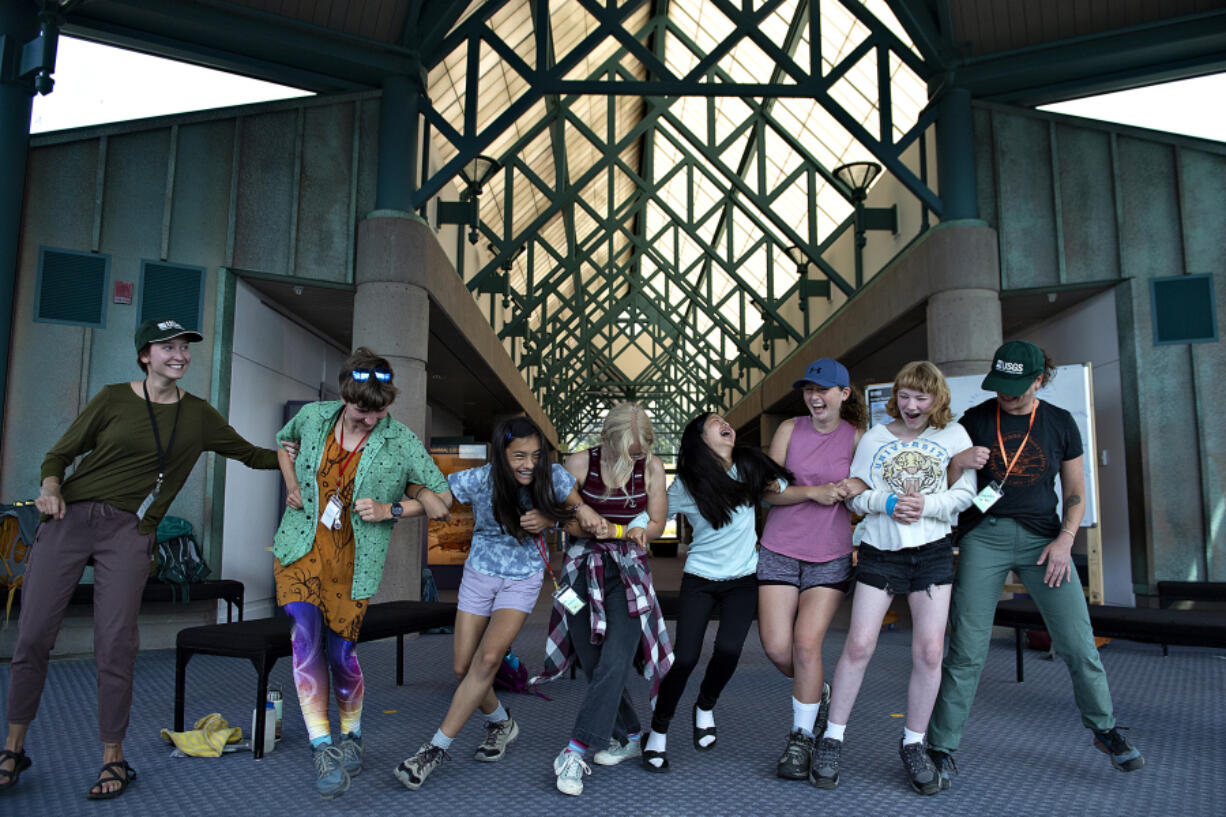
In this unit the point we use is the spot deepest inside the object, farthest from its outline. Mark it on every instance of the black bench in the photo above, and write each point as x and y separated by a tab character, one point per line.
1193	628
227	590
262	641
1171	592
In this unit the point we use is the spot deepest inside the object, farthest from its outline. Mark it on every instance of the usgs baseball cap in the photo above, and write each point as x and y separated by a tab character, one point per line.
825	373
1014	368
155	331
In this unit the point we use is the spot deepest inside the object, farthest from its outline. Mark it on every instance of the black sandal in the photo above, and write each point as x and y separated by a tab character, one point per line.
705	732
110	774
9	778
650	755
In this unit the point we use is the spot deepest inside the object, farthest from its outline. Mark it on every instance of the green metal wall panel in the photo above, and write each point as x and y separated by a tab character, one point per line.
1025	203
1089	239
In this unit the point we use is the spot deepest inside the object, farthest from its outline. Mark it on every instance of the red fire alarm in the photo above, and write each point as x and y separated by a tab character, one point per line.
123	292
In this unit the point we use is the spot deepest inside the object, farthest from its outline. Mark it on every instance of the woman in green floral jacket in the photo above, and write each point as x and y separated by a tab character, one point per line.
346	490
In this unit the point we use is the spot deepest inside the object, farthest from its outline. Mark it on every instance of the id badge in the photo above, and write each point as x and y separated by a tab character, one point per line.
989	496
569	599
331	517
144	506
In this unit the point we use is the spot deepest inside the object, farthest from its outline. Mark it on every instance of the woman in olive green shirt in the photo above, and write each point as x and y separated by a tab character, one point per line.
142	439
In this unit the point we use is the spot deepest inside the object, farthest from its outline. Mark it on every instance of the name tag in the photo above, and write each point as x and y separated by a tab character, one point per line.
989	496
569	599
331	517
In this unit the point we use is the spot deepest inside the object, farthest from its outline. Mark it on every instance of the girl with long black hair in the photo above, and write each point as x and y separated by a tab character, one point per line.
514	497
717	487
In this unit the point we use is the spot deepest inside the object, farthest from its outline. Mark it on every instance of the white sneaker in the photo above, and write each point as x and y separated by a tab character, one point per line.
570	769
617	752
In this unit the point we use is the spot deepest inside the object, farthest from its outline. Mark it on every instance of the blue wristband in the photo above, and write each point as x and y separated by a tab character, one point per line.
890	503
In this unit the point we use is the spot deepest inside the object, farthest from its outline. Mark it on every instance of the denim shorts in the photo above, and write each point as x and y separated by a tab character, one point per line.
482	594
910	570
775	568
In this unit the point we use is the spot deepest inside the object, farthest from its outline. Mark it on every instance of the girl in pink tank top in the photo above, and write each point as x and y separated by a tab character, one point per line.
804	567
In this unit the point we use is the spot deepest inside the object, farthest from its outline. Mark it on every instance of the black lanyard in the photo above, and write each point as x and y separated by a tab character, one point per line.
163	455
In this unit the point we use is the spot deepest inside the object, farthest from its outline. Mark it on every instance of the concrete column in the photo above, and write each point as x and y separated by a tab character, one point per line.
964	330
391	315
18	25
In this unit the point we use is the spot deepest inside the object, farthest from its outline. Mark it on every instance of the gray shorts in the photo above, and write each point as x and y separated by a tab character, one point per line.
775	568
482	594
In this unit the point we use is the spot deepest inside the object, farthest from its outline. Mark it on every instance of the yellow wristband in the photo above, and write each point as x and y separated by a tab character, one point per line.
618	531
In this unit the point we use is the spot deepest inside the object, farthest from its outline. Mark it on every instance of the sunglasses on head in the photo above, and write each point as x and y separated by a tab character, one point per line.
362	375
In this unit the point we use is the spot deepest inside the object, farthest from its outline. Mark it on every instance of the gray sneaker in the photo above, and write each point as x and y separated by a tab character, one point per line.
333	780
351	754
570	769
797	755
618	752
413	771
824	773
945	766
921	772
498	736
1124	756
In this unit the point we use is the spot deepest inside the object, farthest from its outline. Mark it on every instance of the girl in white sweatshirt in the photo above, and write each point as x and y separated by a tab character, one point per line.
906	548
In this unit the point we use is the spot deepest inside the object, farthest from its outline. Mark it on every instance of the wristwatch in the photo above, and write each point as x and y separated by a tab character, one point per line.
397	511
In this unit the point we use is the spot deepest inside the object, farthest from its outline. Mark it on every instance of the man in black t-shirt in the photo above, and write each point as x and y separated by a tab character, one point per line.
1020	444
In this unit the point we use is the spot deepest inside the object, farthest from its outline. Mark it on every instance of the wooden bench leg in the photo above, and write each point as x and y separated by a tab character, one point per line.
1017	639
182	656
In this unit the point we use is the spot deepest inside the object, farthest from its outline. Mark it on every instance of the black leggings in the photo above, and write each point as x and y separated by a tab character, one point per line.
737	602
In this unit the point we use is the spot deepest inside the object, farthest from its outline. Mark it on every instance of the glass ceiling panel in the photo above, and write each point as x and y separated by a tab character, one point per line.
720	246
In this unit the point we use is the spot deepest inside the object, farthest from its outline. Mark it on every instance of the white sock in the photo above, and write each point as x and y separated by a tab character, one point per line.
656	742
441	741
704	719
804	716
909	737
834	731
498	715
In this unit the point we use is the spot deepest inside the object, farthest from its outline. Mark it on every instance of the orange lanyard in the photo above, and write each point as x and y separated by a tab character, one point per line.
345	461
1001	442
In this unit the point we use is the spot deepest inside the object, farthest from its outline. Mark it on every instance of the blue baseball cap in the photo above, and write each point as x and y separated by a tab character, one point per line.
825	373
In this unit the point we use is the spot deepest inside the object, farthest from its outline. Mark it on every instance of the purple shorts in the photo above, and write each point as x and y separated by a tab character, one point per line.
482	594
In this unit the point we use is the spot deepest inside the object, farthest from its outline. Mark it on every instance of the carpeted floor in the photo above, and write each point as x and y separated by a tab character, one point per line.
1025	751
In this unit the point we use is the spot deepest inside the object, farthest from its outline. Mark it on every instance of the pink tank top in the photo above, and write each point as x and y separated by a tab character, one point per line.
811	532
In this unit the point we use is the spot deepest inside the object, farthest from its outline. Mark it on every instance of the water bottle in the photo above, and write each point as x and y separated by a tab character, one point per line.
270	726
274	695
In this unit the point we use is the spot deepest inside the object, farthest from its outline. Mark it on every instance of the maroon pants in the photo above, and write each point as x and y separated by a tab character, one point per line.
57	559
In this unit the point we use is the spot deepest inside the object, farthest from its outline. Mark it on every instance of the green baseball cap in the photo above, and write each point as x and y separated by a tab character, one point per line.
154	331
1015	366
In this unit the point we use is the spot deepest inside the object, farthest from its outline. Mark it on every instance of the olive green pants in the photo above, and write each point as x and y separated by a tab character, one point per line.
988	553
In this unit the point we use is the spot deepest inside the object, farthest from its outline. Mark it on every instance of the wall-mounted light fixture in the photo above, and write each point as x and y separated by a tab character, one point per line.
858	176
476	174
809	288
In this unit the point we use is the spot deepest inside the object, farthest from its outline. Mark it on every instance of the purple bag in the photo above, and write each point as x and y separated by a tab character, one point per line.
512	676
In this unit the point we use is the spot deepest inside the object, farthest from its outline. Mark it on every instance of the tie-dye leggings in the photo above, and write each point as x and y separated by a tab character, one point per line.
310	641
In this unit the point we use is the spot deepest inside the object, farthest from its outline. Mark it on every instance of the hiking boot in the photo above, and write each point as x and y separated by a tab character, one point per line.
1124	756
351	754
823	712
920	769
570	769
945	766
333	779
498	736
413	771
824	771
617	752
797	755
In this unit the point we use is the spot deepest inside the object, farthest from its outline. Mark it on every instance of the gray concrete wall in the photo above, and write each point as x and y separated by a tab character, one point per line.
1076	201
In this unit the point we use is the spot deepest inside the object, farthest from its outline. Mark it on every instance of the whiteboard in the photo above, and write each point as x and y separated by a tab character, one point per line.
1071	389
